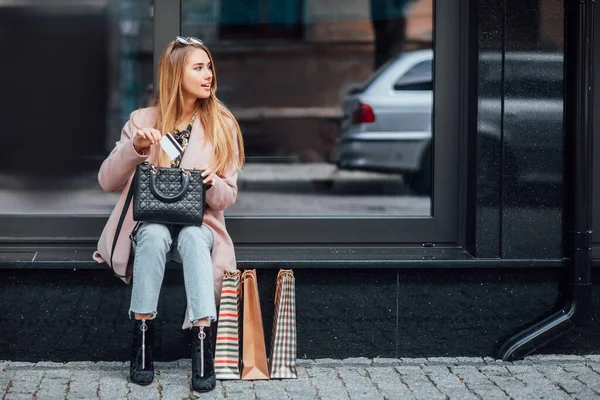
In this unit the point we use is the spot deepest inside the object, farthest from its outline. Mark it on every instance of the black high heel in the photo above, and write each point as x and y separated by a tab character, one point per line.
203	362
141	367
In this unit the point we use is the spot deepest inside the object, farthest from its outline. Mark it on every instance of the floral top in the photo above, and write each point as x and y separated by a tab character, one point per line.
182	138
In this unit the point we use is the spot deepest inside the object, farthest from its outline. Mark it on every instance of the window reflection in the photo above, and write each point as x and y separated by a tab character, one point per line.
325	134
334	99
77	70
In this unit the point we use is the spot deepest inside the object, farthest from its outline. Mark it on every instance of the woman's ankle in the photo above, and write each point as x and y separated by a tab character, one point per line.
202	322
142	316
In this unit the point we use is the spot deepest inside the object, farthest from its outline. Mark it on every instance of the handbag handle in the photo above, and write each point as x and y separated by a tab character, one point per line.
185	184
118	230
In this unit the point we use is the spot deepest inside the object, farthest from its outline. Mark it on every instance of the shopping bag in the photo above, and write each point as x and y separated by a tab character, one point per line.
254	353
282	363
227	351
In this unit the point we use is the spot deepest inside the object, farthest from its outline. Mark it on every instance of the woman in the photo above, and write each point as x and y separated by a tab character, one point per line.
187	107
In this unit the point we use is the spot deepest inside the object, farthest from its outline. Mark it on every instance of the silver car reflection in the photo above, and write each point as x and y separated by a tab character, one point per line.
386	125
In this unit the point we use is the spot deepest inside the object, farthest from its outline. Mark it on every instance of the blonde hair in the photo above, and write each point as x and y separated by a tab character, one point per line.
218	122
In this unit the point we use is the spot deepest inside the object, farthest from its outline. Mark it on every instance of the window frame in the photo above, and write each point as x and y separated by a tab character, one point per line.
445	225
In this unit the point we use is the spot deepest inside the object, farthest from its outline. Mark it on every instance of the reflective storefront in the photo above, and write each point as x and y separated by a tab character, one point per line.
412	160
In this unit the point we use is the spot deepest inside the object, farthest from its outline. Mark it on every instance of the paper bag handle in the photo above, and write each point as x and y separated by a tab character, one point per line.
282	273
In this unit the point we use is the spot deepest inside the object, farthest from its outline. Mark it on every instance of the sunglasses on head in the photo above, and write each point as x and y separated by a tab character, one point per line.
188	40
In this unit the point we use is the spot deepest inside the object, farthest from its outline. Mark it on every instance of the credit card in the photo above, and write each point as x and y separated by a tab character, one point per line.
171	146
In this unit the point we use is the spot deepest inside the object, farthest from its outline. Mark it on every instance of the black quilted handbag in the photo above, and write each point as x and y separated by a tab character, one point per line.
165	196
168	195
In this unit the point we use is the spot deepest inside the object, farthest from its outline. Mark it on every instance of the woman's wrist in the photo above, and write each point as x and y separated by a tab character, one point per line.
139	150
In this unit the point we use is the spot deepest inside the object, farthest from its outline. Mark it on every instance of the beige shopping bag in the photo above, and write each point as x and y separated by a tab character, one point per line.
254	353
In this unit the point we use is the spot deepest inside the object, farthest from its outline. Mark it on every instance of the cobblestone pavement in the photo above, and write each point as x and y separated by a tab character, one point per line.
536	377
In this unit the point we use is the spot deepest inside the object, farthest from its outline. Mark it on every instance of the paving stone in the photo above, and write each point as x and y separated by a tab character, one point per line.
541	386
561	378
414	361
381	362
520	362
48	364
4	365
217	394
587	376
173	384
418	382
327	361
478	383
21	365
496	369
327	383
502	378
113	387
25	381
470	360
387	381
110	365
359	361
18	396
58	373
554	358
52	388
358	383
84	383
441	361
519	369
5	378
238	389
80	365
448	383
435	378
137	392
300	388
163	366
272	389
305	362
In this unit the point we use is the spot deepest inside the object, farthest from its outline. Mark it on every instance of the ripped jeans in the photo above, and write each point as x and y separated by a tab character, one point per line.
154	246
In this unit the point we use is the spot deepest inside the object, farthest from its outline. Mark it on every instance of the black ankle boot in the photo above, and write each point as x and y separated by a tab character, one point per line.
141	368
203	362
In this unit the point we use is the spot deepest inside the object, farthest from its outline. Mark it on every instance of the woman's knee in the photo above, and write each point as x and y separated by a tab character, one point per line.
195	236
155	235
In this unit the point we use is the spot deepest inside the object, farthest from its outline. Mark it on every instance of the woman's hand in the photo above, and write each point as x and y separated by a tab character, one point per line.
209	177
145	137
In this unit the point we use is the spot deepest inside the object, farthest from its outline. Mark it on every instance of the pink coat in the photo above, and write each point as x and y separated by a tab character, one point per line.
117	172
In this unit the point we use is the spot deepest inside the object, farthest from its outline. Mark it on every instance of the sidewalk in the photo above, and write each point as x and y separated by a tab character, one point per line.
536	377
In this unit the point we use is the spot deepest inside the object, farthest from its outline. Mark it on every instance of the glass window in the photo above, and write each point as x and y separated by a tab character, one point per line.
423	72
324	134
419	77
77	70
260	18
338	166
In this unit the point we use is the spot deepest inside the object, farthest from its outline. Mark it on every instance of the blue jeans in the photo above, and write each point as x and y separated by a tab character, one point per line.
154	246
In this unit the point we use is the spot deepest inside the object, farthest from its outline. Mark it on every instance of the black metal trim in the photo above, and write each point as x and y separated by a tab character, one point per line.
299	257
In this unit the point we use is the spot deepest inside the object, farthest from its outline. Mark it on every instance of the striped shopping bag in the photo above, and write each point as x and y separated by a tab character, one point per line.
227	352
282	363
